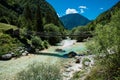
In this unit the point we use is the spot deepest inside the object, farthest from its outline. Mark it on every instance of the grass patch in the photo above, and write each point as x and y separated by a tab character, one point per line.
4	27
38	71
102	72
97	73
78	75
85	60
7	43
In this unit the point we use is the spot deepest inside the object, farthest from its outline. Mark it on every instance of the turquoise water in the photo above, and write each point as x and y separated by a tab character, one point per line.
76	48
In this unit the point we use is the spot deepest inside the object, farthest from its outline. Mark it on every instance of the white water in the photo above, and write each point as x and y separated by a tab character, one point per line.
67	42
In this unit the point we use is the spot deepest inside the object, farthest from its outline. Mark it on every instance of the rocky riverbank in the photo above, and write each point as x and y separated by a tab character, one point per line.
79	63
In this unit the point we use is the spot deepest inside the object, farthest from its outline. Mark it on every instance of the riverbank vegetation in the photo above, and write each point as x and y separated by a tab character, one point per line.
106	44
40	71
33	25
8	44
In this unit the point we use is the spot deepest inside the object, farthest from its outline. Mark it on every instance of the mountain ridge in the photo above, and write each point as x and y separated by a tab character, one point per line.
104	17
13	11
73	20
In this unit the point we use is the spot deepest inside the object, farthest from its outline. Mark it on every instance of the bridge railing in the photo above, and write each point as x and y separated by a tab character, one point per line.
57	34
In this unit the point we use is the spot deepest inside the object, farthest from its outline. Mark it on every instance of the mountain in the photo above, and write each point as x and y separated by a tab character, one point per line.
19	12
105	17
23	23
30	15
74	20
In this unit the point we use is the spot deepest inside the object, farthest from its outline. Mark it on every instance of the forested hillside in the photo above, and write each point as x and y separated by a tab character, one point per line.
22	12
105	45
33	19
34	44
103	19
73	20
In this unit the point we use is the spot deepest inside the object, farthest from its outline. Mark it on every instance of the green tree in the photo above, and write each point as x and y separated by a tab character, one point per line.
38	19
81	33
107	44
37	43
28	17
7	44
52	31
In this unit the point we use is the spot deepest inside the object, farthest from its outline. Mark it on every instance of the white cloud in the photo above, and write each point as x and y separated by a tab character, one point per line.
71	11
101	8
58	15
82	7
81	11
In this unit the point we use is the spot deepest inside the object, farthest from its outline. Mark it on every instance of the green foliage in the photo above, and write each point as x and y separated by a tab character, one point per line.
30	16
37	42
85	60
46	44
52	30
107	37
23	32
38	19
8	13
38	71
81	33
7	44
97	73
78	75
4	27
26	18
104	18
107	44
27	14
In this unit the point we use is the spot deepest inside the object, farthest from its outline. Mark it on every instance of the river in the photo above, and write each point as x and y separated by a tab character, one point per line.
8	69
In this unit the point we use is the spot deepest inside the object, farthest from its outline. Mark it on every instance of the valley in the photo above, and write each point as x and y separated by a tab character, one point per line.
9	69
42	42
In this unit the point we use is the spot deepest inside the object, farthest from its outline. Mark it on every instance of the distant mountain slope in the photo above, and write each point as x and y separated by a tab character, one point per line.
74	20
31	18
105	17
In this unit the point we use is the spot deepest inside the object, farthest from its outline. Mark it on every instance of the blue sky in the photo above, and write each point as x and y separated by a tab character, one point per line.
88	8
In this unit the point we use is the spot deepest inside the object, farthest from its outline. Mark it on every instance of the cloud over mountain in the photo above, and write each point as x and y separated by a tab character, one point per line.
82	8
71	11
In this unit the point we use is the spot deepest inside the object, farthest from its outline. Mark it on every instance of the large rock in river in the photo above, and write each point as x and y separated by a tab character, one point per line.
59	50
6	57
71	54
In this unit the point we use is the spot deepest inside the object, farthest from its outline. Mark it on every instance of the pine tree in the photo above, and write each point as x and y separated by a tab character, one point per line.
38	20
28	17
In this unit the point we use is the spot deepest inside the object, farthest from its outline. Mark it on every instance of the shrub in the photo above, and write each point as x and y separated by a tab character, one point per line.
37	42
107	45
81	32
85	60
97	73
46	44
53	32
7	43
78	75
38	71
